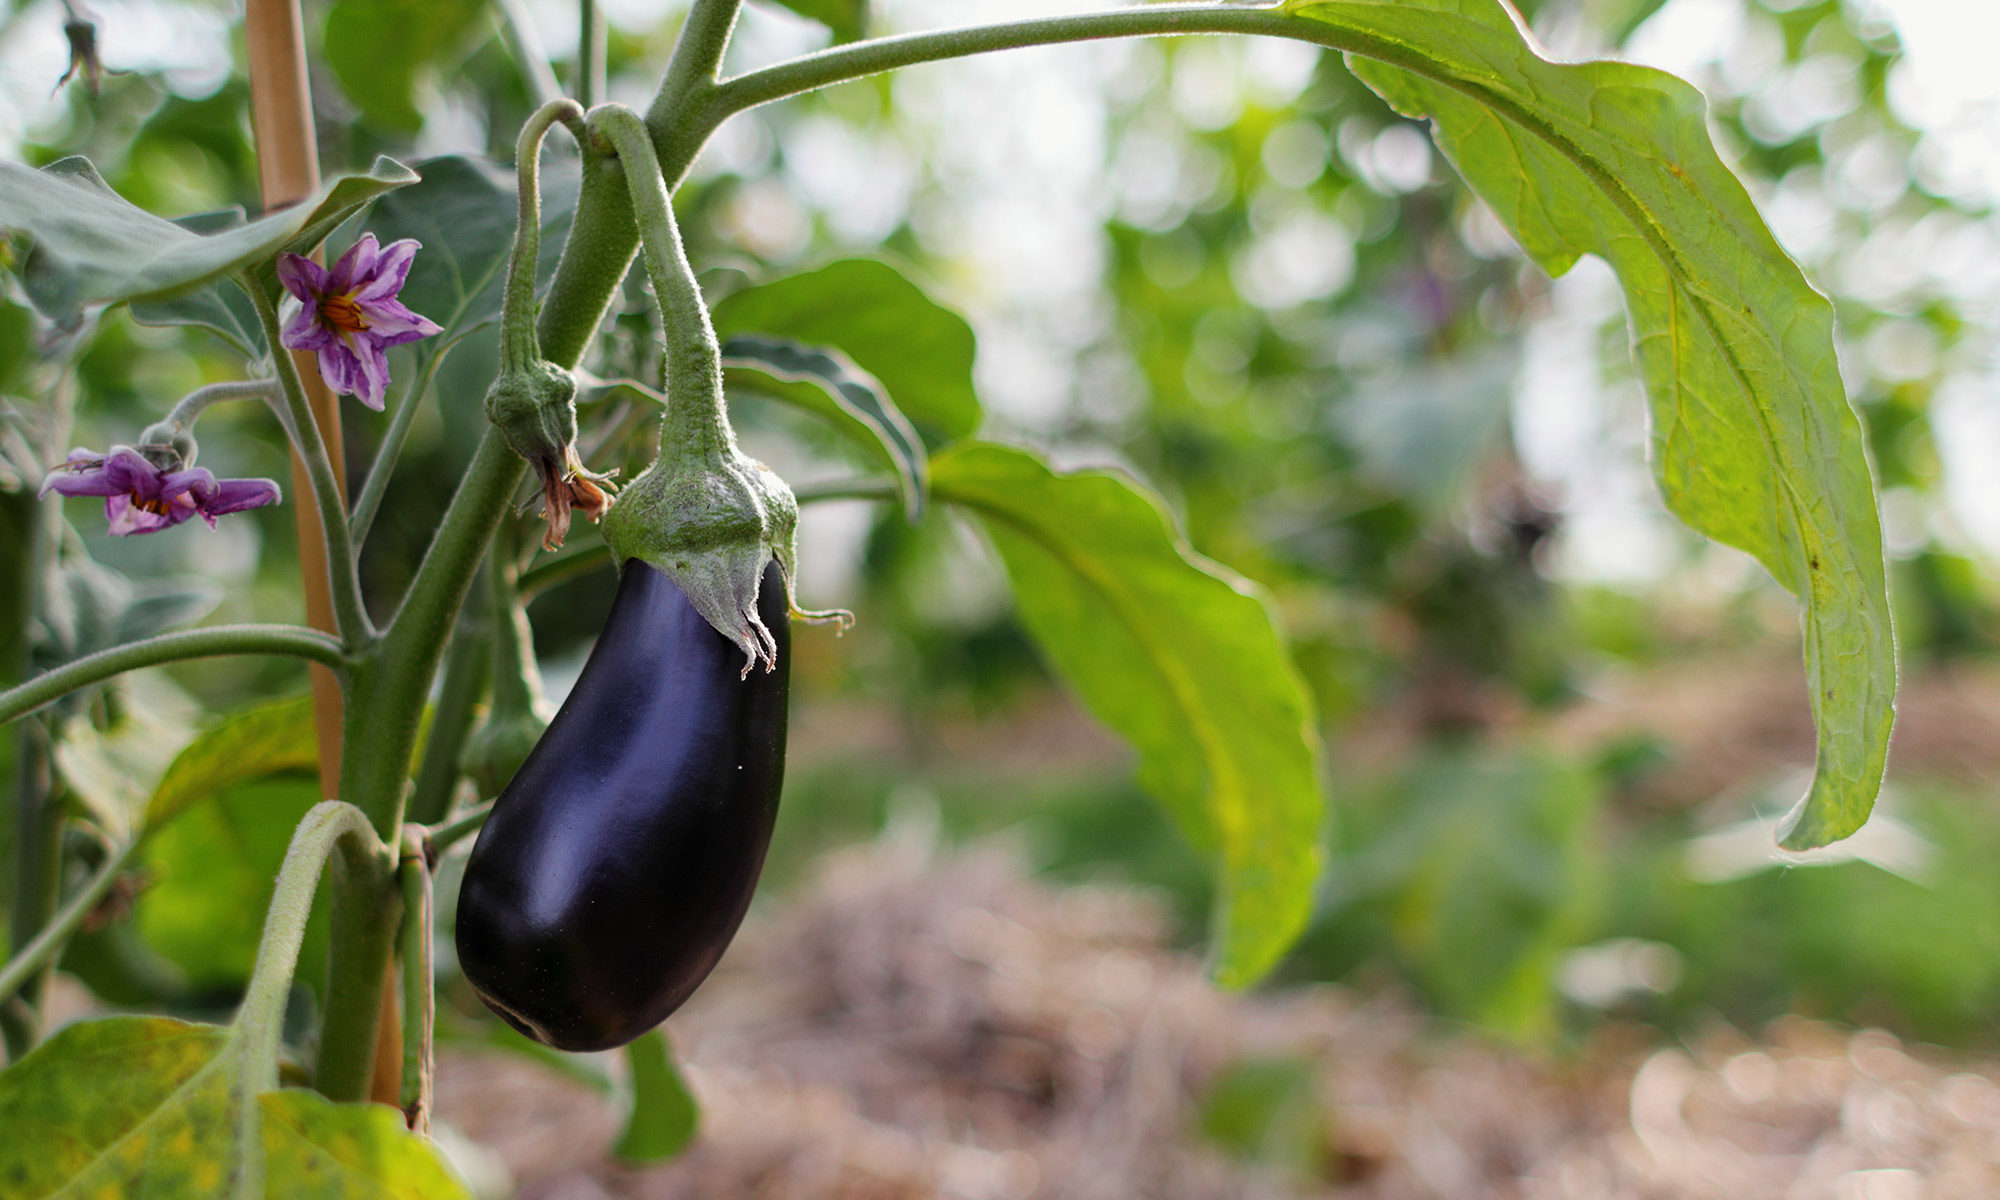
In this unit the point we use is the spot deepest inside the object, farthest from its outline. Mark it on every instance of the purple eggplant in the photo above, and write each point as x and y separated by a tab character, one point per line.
621	858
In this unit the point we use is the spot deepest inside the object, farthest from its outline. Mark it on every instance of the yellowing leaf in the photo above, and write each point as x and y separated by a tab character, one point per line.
1182	658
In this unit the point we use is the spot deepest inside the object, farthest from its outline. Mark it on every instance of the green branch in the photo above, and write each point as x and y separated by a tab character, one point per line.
56	933
350	614
858	60
296	641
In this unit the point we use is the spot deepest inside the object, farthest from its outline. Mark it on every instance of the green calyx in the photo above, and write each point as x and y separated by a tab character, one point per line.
712	520
533	405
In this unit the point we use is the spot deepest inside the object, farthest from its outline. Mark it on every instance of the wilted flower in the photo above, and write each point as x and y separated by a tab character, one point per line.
143	496
566	485
350	315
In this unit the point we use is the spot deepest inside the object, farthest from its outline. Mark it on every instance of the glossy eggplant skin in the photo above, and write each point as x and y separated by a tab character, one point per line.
619	861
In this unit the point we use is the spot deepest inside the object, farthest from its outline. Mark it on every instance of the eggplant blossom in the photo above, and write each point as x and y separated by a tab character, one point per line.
349	314
145	494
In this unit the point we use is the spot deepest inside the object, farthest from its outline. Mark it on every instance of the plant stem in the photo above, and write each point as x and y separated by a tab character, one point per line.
466	663
38	826
22	526
296	641
444	837
695	419
350	614
419	1003
385	703
696	63
369	501
858	60
595	257
366	907
519	348
48	943
517	29
574	565
590	49
255	1034
184	414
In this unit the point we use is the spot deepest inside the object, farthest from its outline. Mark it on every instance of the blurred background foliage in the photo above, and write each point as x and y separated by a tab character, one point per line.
1561	729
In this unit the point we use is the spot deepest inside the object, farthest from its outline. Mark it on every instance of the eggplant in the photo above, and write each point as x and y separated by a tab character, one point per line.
620	859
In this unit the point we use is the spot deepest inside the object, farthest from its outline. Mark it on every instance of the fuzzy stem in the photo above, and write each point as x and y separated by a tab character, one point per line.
696	418
858	60
350	613
50	686
517	29
518	346
49	942
590	48
419	1001
466	664
255	1034
184	414
444	837
369	501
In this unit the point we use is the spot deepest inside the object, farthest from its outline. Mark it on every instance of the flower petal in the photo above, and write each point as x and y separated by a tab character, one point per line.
374	389
393	324
339	366
391	269
127	518
302	277
235	495
356	266
305	331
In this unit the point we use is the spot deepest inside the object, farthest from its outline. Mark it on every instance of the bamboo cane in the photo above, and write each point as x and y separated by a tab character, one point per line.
288	170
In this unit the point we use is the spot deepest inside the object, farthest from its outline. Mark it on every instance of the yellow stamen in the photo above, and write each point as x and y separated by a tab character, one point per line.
343	313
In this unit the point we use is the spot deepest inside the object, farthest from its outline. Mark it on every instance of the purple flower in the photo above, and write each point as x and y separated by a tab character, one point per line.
350	314
141	496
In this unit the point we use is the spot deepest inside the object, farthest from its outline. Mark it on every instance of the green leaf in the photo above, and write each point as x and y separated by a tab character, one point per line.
919	350
266	740
847	18
378	48
218	825
1754	442
1182	658
663	1115
824	381
211	876
220	306
92	246
148	1107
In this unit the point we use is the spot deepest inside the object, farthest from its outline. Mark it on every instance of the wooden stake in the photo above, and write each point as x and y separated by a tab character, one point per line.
288	170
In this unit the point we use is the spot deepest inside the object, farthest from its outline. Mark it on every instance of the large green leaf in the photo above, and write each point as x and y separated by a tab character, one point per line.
1754	442
89	245
1182	658
269	739
378	48
149	1107
218	306
847	18
211	875
919	350
822	380
218	825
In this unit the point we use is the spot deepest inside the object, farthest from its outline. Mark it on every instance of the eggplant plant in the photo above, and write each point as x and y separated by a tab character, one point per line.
627	835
